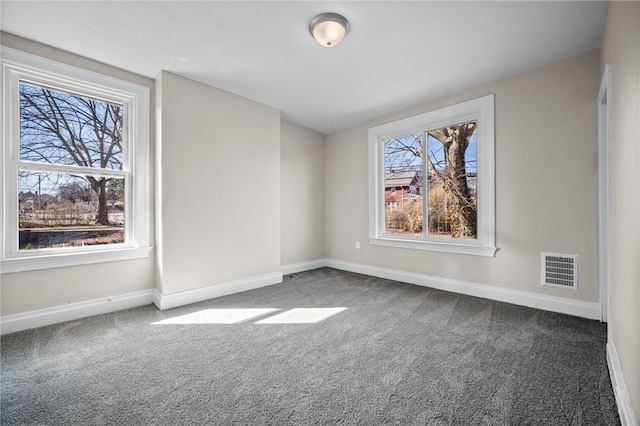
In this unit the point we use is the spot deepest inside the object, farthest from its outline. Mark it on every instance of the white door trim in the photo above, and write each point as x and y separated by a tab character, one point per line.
604	192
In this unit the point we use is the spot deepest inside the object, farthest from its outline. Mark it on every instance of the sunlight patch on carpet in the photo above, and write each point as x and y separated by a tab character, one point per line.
217	316
301	316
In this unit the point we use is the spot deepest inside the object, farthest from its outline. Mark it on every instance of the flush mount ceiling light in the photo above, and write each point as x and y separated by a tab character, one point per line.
329	28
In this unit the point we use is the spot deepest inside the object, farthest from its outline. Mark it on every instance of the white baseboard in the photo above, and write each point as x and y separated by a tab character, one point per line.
627	418
562	305
40	318
74	311
294	268
173	300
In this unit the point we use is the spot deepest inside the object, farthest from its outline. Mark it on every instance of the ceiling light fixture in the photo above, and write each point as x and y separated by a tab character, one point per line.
329	28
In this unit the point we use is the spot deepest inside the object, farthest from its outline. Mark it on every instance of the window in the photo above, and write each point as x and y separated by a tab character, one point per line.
75	166
442	164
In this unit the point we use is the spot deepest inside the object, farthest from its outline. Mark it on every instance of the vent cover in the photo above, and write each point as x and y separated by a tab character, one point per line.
560	270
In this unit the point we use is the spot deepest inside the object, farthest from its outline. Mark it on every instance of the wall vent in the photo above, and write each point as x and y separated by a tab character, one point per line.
559	270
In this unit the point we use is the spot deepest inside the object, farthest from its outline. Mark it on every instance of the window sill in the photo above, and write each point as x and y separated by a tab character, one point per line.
440	246
60	260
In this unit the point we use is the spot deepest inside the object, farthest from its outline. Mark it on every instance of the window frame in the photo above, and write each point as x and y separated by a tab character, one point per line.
19	66
480	110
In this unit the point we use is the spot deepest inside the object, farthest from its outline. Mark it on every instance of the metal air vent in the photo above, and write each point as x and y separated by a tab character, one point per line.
559	270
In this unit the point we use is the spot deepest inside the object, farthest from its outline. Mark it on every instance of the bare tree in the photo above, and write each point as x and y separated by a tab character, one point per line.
75	192
449	169
61	128
401	154
461	206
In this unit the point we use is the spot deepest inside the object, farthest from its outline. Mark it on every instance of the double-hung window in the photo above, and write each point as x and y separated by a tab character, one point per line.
75	184
431	180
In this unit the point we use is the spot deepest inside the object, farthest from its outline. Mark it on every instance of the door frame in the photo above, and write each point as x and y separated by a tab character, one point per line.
604	194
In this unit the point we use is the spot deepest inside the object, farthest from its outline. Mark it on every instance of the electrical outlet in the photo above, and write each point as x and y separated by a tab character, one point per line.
357	244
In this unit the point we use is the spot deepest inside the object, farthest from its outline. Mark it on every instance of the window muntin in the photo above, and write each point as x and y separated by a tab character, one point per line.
113	161
402	145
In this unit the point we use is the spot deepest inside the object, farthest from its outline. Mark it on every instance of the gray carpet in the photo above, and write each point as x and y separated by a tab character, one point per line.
399	354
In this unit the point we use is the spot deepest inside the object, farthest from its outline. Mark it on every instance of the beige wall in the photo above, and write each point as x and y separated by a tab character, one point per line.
621	49
231	185
26	291
218	195
303	195
29	291
546	184
252	194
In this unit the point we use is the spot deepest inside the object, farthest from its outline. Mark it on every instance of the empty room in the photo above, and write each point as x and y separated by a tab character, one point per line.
305	212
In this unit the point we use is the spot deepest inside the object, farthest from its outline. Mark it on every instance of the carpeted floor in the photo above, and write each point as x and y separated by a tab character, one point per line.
398	354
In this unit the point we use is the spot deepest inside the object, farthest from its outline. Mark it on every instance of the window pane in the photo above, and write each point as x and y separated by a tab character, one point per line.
61	128
60	210
451	177
403	185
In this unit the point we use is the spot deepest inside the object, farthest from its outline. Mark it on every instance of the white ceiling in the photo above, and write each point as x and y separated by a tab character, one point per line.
398	54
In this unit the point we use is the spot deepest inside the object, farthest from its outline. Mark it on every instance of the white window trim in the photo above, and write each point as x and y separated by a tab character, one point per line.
17	65
480	109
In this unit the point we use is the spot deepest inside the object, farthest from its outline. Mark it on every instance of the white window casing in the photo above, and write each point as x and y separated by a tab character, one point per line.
19	66
480	110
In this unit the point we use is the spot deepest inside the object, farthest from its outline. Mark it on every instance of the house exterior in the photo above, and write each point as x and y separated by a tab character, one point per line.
400	187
